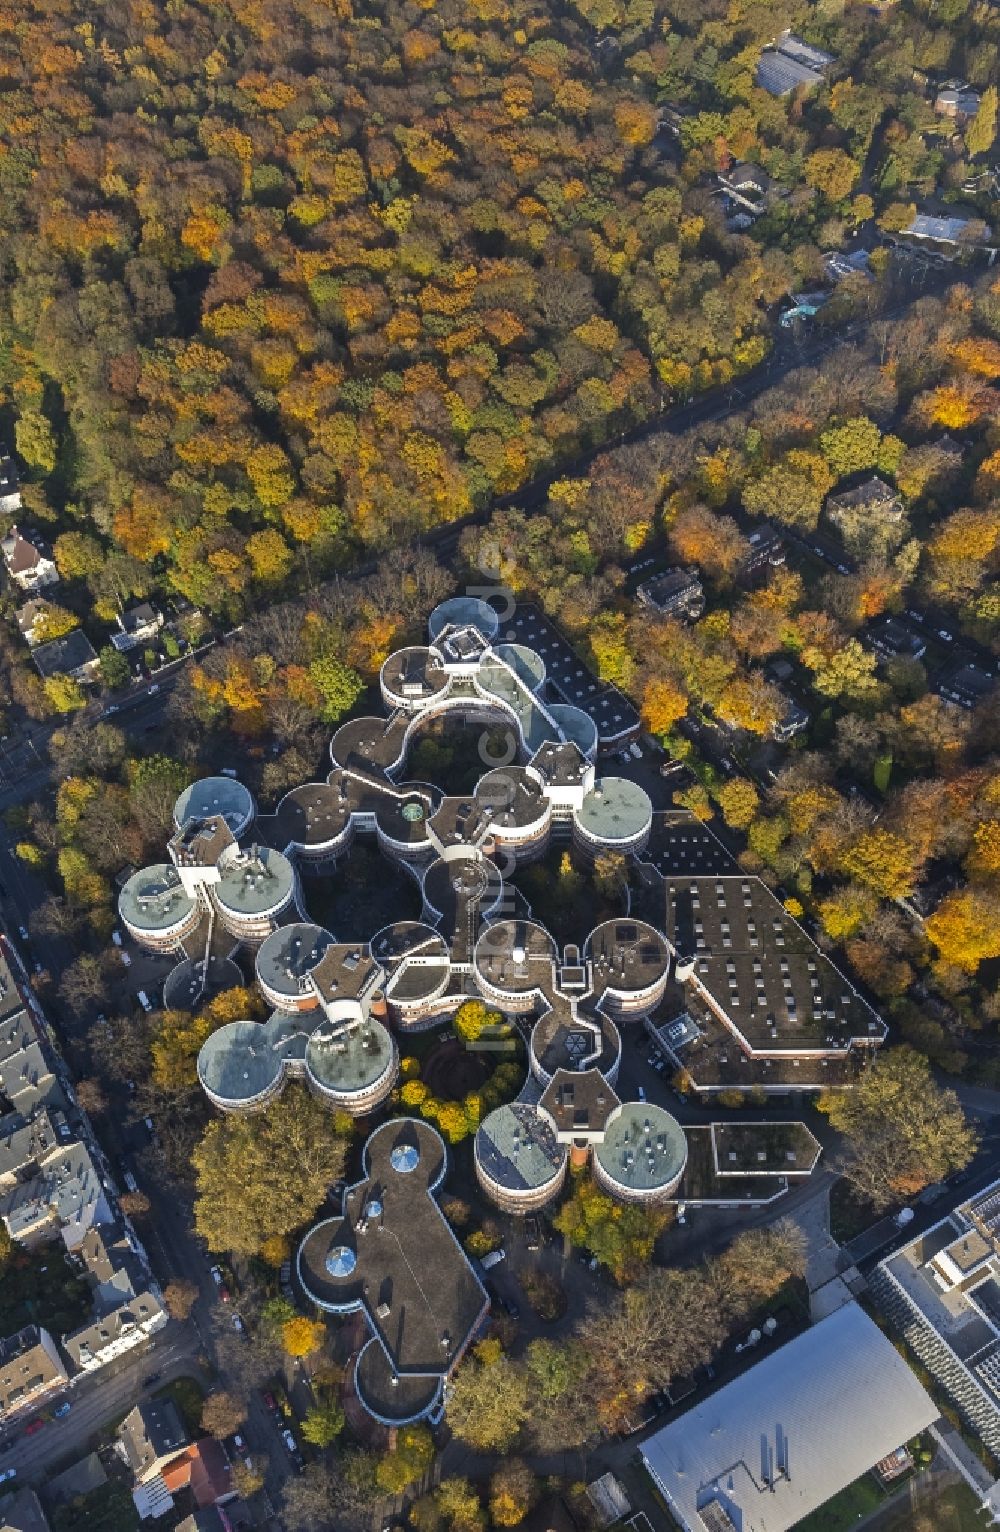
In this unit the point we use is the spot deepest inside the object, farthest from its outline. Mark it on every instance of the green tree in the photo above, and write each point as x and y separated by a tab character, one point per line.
267	1174
409	1461
35	441
114	667
982	130
621	1237
65	694
339	686
851	446
323	1423
489	1401
903	1131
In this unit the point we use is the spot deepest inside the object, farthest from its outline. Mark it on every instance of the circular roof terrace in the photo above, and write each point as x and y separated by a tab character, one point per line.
154	900
515	956
463	612
216	796
516	1148
254	882
615	810
289	954
644	1149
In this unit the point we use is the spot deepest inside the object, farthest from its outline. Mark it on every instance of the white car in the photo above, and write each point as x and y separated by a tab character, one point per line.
216	1275
642	1094
126	960
22	932
289	1441
238	1324
494	1258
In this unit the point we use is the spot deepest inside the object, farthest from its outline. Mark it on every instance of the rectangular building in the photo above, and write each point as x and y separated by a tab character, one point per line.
785	1437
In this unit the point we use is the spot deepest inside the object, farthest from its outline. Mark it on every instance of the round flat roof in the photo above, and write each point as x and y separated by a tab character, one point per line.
615	810
524	662
515	955
289	954
244	1058
516	1147
560	1040
312	814
644	1147
511	796
187	986
577	726
348	1059
627	954
463	612
216	795
255	881
153	899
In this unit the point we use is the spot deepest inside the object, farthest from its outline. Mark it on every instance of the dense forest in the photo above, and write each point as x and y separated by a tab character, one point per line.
289	282
284	279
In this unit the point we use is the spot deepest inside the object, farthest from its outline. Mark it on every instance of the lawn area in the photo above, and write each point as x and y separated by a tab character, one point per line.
848	1216
38	1287
108	1509
841	1513
952	1509
364	894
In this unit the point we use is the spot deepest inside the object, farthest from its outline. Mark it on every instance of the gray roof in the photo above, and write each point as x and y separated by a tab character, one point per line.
644	1147
615	809
154	898
779	1441
22	1512
216	795
517	1148
463	612
63	655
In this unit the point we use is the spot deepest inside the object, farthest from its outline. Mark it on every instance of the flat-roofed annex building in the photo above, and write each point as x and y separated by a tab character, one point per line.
392	1254
786	1436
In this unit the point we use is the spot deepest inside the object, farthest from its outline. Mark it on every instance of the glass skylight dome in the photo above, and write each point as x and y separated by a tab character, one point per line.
404	1158
341	1261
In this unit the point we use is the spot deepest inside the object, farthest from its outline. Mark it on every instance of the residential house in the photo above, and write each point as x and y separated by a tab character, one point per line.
747	186
966	687
791	64
674	593
10	495
29	618
22	1512
840	265
27	561
65	1196
151	1436
952	232
30	1370
863	504
765	550
793	720
27	1080
895	640
957	100
128	1307
72	655
137	624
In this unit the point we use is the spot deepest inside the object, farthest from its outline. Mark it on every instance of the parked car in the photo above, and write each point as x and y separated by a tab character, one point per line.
62	1410
641	1094
7	1475
34	1425
494	1258
289	1441
224	1295
533	1233
142	997
215	1273
22	932
238	1325
116	937
126	959
153	1377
